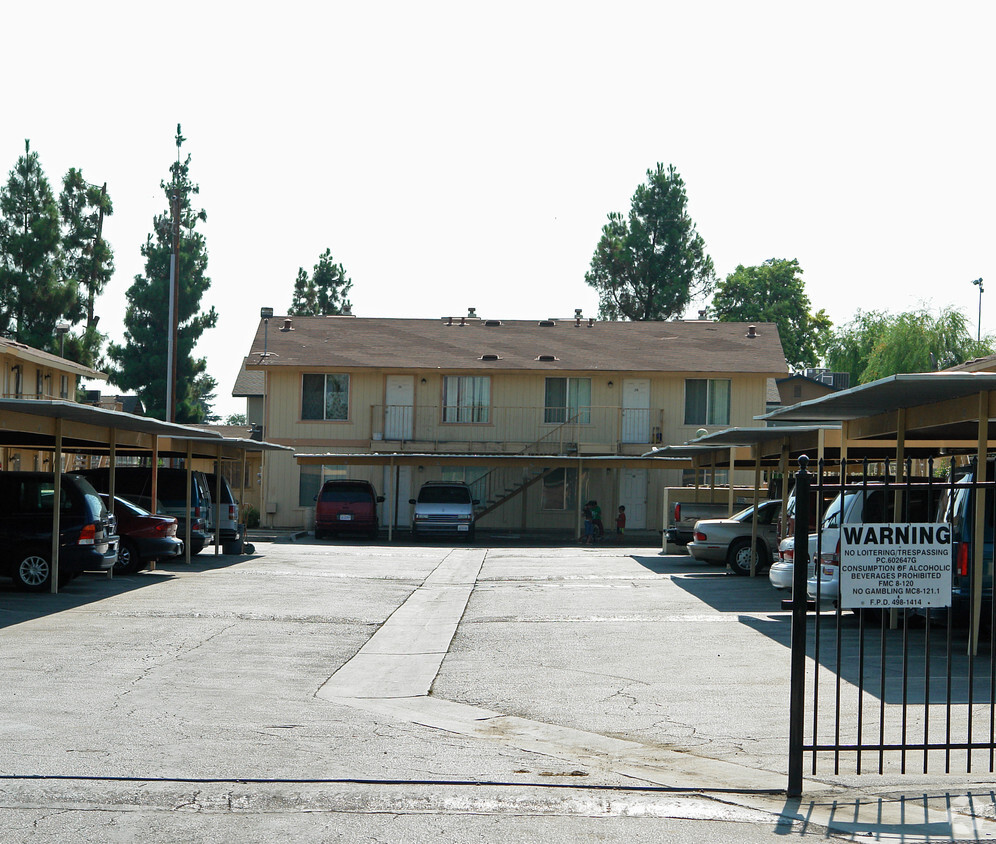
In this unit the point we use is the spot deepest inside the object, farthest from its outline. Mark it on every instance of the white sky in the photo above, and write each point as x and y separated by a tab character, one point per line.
466	154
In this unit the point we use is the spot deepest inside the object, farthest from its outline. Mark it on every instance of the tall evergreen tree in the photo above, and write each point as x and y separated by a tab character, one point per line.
33	293
324	293
88	260
651	265
141	362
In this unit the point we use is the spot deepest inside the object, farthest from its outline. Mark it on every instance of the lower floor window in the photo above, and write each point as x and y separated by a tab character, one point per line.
311	480
560	490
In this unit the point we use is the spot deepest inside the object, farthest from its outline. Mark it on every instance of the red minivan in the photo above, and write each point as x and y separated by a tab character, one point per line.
346	505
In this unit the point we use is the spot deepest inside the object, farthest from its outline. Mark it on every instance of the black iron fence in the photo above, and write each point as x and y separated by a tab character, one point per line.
893	646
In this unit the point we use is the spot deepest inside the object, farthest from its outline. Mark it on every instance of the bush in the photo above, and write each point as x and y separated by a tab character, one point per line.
252	516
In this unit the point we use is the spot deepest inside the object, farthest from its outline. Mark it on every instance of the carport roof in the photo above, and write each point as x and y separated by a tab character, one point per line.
887	394
28	423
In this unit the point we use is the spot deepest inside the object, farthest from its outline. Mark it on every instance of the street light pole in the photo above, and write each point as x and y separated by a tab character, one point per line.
978	281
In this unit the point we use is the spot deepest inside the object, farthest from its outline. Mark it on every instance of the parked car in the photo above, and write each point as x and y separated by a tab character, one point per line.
957	507
728	540
226	512
443	508
346	506
143	536
87	538
135	484
874	505
781	572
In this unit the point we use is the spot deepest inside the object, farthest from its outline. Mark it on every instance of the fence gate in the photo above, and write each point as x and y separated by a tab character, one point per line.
893	657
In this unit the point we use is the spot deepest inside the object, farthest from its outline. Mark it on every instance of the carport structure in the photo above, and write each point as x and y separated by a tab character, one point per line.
62	427
919	414
394	460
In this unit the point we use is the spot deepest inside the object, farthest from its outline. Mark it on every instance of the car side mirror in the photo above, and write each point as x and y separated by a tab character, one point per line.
315	498
475	501
411	500
380	499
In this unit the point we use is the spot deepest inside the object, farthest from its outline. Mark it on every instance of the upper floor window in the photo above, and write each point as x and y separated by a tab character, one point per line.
39	383
466	398
64	386
325	397
707	401
567	400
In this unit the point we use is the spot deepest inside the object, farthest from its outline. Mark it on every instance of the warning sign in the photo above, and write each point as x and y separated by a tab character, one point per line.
895	565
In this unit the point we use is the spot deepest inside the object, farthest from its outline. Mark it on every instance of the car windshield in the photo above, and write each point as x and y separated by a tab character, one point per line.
444	495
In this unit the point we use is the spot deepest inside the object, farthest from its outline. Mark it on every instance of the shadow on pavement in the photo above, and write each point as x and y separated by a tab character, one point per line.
17	607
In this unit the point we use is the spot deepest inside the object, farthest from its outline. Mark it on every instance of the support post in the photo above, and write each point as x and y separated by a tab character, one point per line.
797	682
56	505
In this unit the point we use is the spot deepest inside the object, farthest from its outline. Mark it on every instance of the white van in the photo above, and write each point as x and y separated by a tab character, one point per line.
443	507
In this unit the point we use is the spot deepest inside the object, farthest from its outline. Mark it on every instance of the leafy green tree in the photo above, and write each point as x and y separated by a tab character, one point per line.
775	292
33	293
876	344
652	265
324	292
141	362
88	260
236	419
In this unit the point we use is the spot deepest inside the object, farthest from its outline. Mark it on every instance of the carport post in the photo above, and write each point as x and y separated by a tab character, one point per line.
56	505
186	540
978	545
753	521
217	503
797	682
390	500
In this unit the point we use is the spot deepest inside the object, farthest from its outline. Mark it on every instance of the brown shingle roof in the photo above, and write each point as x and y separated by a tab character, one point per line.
248	384
350	342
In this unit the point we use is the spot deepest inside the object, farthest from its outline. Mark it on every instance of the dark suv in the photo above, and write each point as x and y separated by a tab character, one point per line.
87	540
346	505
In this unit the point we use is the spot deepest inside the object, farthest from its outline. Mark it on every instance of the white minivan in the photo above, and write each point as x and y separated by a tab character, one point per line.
443	507
861	505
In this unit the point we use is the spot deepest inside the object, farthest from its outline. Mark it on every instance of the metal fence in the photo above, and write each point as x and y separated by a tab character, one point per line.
897	675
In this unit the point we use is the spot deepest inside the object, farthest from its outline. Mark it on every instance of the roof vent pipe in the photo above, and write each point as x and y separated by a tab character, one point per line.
752	331
591	321
702	314
471	313
288	325
463	320
449	320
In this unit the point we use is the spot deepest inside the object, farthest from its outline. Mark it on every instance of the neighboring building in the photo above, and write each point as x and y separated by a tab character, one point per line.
472	386
250	386
27	373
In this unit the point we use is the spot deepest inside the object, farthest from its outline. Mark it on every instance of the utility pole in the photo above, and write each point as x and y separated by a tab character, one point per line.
174	287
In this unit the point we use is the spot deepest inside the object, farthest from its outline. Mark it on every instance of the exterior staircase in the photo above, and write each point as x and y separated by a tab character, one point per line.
502	484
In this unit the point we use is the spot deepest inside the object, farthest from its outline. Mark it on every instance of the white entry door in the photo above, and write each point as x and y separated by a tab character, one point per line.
633	496
636	410
400	407
398	488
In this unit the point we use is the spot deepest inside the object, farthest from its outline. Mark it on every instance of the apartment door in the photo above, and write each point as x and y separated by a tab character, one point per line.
399	407
633	496
636	410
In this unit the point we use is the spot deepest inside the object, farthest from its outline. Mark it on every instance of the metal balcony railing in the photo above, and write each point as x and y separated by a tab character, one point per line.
536	430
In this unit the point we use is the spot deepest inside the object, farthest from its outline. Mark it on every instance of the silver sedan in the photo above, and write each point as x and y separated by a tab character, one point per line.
728	540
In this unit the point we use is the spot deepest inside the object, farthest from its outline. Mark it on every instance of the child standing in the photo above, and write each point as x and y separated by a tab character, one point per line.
620	523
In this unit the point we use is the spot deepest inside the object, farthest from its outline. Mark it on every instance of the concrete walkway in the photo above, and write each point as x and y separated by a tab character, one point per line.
392	675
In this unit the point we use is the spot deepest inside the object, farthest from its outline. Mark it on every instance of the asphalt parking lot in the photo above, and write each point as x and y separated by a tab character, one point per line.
325	691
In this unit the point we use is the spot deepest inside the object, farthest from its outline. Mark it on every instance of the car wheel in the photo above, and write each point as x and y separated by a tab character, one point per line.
739	557
33	571
128	561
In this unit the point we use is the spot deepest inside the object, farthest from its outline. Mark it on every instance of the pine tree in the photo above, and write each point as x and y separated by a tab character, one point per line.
653	263
324	293
88	261
33	294
141	362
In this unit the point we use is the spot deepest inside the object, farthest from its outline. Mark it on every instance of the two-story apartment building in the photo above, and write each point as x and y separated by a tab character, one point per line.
29	373
489	387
